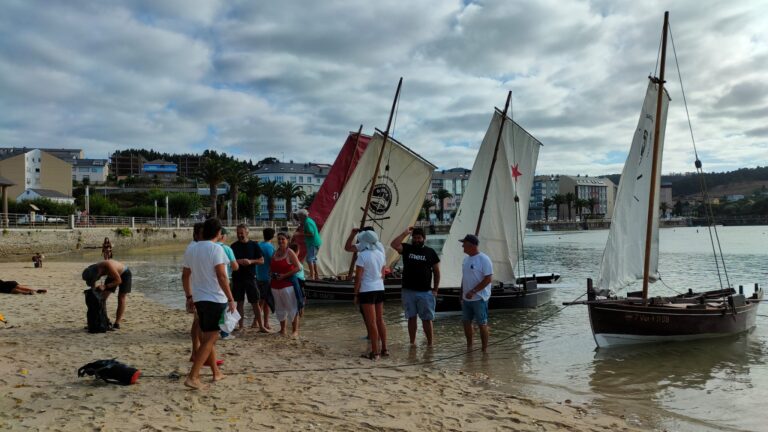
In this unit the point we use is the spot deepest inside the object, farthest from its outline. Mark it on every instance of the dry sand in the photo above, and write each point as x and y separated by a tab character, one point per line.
44	343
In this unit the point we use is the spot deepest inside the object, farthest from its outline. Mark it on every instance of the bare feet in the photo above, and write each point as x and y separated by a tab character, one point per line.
194	384
264	330
295	335
219	377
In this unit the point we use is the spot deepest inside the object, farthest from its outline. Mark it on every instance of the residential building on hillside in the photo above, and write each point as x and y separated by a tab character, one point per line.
94	170
189	166
453	180
160	169
36	169
127	165
308	176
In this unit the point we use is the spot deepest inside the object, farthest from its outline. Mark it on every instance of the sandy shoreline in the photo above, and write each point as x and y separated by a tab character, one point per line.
45	338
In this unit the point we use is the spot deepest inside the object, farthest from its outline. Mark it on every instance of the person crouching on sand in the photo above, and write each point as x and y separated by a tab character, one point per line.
205	282
283	266
369	287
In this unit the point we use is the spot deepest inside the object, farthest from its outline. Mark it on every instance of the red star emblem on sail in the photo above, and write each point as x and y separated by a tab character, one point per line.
516	172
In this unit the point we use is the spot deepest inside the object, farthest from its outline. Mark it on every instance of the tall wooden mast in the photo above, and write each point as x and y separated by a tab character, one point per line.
376	171
655	165
493	163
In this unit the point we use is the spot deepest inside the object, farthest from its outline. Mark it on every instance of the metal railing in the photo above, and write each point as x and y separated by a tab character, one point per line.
45	221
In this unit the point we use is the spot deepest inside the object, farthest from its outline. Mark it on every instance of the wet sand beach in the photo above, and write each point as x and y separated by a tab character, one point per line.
44	342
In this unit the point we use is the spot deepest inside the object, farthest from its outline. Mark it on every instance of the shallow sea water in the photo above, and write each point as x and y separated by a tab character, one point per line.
549	352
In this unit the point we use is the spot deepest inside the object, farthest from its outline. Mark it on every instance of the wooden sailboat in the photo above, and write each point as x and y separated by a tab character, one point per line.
494	207
385	190
631	253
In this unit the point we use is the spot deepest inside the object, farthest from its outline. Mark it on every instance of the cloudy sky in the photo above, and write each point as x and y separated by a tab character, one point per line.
289	79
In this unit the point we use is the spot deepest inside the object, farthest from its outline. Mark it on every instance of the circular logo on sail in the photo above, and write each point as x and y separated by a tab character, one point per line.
381	199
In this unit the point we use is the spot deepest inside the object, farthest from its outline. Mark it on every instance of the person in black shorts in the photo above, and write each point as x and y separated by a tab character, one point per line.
13	287
118	276
248	255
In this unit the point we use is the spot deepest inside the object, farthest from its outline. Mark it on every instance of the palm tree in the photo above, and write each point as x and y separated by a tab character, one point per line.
547	203
212	172
559	200
570	198
592	203
581	205
426	205
663	207
270	189
308	200
252	190
288	191
236	175
441	196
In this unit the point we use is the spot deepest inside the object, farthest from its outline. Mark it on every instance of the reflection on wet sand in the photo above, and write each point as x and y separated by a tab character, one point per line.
640	382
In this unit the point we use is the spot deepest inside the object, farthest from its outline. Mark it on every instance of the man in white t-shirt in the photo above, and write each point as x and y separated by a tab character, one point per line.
476	277
206	285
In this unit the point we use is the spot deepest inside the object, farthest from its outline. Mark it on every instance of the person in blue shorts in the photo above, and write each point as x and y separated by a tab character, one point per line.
476	277
421	279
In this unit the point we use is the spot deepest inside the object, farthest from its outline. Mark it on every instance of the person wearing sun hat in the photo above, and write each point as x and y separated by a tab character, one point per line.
476	277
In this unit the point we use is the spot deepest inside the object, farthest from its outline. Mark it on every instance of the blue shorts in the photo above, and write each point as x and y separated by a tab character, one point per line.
312	254
476	311
421	303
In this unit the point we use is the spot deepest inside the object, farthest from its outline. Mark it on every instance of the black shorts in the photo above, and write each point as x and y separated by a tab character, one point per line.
209	315
125	285
241	289
265	289
371	297
7	286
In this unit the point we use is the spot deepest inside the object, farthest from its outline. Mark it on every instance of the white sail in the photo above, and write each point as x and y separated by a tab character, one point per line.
623	257
397	198
504	220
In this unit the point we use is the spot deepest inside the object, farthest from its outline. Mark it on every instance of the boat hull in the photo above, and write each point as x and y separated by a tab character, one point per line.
449	299
626	323
344	291
547	278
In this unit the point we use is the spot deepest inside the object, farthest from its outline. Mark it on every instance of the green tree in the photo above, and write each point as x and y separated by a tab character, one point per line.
212	173
288	191
236	175
558	200
592	203
547	203
270	190
426	206
183	204
308	200
663	207
441	196
252	190
570	198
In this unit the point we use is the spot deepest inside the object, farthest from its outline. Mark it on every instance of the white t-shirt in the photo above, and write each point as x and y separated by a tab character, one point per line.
473	270
202	258
372	261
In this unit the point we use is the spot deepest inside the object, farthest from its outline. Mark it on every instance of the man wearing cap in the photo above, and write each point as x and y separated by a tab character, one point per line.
312	240
118	276
476	277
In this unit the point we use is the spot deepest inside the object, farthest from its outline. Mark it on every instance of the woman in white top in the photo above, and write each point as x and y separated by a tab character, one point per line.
369	287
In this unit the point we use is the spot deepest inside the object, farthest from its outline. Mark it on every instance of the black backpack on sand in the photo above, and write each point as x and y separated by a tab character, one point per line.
97	312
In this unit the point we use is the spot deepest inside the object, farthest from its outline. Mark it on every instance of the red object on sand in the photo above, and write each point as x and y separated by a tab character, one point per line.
135	377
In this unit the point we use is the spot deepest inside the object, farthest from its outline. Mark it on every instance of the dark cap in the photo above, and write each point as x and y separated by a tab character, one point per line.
471	238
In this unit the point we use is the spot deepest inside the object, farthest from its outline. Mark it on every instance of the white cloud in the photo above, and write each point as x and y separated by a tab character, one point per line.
258	79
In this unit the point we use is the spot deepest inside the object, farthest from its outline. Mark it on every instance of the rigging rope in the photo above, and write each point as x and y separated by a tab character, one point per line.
702	180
